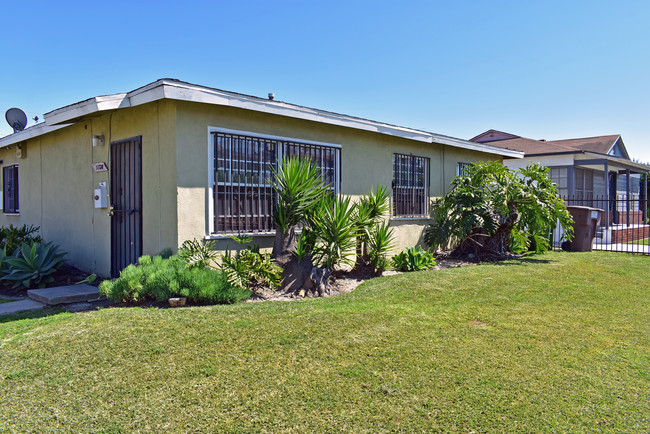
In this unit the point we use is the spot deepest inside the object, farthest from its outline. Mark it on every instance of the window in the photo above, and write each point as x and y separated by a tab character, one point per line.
584	184
460	168
242	193
10	189
410	186
559	177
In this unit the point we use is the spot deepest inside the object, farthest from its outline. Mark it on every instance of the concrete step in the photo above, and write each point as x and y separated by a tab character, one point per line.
65	294
23	305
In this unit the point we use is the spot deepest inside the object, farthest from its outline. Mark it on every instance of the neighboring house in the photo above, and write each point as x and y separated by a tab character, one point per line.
117	176
591	171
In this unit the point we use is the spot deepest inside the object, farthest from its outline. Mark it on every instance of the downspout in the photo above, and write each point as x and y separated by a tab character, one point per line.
627	196
607	187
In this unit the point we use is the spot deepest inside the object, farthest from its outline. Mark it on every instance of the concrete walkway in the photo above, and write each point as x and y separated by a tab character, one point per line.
23	305
41	298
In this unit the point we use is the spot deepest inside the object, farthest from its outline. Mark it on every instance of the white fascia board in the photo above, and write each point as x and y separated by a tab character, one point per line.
92	105
183	92
29	133
163	89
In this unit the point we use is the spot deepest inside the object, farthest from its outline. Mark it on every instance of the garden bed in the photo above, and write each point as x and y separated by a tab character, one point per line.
66	275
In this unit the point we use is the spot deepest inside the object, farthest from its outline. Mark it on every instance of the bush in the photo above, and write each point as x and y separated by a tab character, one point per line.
159	279
11	238
31	265
248	267
379	243
197	253
413	259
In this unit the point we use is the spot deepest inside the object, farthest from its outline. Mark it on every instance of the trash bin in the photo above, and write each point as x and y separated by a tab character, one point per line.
585	222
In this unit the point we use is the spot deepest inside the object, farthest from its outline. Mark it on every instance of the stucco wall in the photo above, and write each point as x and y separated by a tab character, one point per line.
57	182
366	162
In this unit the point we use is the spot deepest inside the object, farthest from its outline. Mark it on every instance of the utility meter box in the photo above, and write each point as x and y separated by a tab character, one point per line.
101	196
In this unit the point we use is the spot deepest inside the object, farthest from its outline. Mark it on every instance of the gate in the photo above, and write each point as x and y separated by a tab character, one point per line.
126	203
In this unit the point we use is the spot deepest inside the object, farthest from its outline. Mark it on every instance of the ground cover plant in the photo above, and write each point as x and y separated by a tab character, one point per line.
555	343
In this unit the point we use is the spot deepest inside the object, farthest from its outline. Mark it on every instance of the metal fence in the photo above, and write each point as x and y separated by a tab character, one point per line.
623	223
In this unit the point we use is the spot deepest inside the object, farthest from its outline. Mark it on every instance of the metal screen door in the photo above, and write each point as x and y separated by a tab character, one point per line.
126	203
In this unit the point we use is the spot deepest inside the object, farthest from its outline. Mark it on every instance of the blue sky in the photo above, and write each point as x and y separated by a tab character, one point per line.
552	69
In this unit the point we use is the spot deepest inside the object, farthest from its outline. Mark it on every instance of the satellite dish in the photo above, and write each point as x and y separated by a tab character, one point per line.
16	118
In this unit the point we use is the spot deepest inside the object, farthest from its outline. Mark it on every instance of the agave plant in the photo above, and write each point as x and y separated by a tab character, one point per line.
33	264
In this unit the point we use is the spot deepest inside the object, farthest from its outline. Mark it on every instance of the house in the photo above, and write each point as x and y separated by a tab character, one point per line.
590	171
117	176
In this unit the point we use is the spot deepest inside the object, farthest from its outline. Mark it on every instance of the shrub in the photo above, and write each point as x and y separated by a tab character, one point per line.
333	223
12	237
213	287
159	278
413	259
32	264
379	243
491	210
197	253
248	267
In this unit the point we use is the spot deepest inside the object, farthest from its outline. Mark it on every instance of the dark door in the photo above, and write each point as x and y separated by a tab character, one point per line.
126	203
613	182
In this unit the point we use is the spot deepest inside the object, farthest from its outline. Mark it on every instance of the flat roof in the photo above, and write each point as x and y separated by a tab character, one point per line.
167	88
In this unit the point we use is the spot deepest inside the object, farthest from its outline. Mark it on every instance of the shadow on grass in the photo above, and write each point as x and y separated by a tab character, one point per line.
30	315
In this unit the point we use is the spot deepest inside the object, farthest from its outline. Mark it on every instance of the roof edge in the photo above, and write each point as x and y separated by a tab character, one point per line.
166	88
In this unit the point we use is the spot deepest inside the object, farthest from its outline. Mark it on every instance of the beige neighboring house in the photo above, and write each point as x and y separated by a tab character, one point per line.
117	176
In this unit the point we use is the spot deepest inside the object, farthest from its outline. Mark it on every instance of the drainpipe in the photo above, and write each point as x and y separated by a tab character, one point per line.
608	205
627	195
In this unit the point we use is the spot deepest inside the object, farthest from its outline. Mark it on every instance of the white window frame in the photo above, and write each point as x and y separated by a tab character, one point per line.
212	168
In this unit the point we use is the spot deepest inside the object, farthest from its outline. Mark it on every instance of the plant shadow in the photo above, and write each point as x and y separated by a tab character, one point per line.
30	315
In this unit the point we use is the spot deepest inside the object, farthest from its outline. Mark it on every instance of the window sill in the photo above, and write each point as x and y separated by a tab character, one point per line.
248	234
409	218
11	213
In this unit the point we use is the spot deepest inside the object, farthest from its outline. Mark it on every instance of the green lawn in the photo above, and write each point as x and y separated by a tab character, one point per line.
5	300
640	242
559	342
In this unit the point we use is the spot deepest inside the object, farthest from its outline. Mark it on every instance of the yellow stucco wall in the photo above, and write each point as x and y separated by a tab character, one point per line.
57	180
366	162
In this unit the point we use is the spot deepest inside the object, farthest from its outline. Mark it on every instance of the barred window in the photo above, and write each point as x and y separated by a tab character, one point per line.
461	167
410	186
10	189
243	196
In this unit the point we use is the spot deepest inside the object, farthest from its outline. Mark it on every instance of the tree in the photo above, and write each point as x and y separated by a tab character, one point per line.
491	210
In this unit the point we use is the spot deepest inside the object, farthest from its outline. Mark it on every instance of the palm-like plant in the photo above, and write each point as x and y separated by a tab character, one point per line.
370	211
299	186
333	221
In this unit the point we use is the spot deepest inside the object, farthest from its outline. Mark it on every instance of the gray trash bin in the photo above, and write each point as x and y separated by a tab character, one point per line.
585	222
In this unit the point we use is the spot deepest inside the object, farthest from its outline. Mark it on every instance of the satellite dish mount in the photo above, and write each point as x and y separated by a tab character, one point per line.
16	118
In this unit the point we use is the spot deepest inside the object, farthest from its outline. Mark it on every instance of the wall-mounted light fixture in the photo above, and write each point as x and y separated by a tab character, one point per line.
98	141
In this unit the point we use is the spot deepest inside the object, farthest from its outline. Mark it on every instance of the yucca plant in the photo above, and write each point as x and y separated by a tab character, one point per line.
299	187
33	264
12	237
369	212
379	243
333	222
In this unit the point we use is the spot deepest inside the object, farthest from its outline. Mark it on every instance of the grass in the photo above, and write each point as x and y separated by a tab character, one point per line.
5	300
643	242
559	342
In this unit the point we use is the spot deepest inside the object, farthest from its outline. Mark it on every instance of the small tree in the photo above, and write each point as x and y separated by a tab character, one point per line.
491	210
299	188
